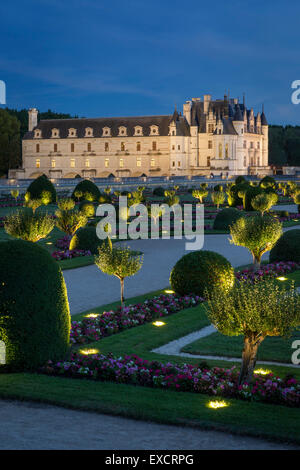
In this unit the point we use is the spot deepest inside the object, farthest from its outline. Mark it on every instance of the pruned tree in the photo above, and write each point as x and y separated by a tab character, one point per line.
256	233
119	261
255	311
218	197
69	221
200	194
29	226
263	202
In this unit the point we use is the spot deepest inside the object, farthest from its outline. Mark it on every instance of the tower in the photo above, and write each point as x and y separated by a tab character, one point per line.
32	118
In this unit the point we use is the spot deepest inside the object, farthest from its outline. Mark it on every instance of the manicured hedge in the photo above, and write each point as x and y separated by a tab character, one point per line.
40	184
226	217
89	191
201	270
34	309
287	248
86	239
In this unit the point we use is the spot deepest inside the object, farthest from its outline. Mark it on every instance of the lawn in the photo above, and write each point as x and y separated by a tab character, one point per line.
257	419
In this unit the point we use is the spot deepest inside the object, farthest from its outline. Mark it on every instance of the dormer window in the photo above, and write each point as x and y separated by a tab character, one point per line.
55	133
154	130
138	130
72	133
122	130
37	133
88	132
106	131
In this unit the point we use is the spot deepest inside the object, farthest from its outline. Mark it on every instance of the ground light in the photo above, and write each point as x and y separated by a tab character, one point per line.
92	315
168	291
262	371
281	278
158	323
86	352
215	404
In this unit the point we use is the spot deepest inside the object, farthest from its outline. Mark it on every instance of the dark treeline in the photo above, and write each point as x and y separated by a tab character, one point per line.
284	141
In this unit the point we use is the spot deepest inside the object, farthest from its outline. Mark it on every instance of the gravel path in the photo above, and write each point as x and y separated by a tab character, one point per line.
40	427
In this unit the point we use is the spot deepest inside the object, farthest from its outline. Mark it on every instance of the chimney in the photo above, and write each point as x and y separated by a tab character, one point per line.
207	99
32	118
187	111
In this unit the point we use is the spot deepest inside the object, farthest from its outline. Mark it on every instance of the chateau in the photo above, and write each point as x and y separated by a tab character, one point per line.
217	136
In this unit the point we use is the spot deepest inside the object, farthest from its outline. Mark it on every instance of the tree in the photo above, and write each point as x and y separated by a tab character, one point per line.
10	146
29	226
257	233
170	198
200	194
15	193
69	221
263	202
218	197
118	261
66	204
254	311
33	204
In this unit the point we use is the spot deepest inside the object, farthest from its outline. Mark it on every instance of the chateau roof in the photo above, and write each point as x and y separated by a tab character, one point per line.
228	127
97	124
263	119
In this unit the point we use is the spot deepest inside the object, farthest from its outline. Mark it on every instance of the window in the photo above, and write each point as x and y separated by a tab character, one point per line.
72	163
251	145
55	133
245	160
106	131
138	146
245	127
208	161
89	147
106	163
106	146
179	163
242	131
122	130
258	145
173	132
121	163
53	163
245	144
220	151
210	144
38	163
55	147
138	130
72	147
138	162
226	151
122	146
37	148
72	132
87	163
173	163
153	130
88	132
210	128
258	161
152	162
173	147
178	147
154	146
37	134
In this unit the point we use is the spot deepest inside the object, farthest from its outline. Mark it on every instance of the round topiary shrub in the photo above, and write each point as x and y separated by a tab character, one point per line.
240	180
86	239
287	247
34	309
40	185
86	190
226	217
201	270
251	192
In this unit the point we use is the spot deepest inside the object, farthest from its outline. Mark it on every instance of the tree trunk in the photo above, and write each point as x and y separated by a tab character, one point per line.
256	261
251	344
122	291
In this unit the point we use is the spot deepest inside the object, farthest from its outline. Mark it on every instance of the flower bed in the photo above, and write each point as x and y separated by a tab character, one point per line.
183	378
69	254
96	327
63	243
271	270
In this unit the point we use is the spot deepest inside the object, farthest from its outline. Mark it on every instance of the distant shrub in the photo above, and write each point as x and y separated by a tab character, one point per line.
28	226
38	186
87	208
86	239
226	217
287	247
240	179
159	191
66	204
86	190
201	270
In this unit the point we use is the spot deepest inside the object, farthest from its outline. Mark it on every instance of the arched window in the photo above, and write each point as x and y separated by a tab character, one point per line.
37	148
123	146
121	163
106	163
152	163
88	132
106	146
220	151
55	147
38	163
154	146
87	163
138	146
55	133
53	163
89	147
72	147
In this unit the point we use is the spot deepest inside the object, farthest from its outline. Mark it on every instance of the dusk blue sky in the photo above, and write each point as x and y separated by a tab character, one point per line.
136	57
